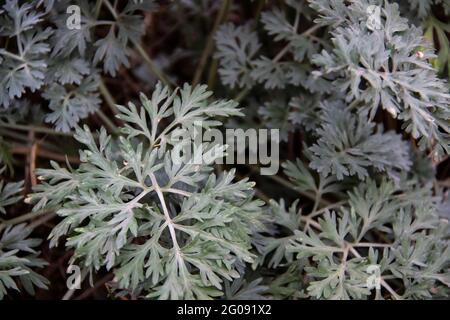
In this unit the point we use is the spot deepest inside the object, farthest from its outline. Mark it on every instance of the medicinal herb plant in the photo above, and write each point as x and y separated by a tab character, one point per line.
95	122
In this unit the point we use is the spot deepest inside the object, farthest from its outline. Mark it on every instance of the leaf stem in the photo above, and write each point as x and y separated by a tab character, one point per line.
315	213
176	191
287	47
111	9
12	55
152	66
210	42
108	122
241	95
108	97
150	63
289	185
169	222
36	129
369	244
23	218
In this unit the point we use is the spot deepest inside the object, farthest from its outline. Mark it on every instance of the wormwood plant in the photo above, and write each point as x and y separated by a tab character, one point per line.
333	91
18	254
358	90
41	53
170	230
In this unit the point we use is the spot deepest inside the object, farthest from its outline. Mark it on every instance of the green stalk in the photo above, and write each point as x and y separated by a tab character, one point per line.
152	66
210	42
289	185
150	63
212	74
108	122
35	129
23	218
241	95
108	97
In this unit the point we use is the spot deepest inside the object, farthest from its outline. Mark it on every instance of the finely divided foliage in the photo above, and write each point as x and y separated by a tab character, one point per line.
347	145
61	63
390	220
337	250
363	109
17	253
387	67
170	230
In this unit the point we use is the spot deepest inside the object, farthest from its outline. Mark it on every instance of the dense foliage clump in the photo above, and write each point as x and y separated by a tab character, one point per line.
358	89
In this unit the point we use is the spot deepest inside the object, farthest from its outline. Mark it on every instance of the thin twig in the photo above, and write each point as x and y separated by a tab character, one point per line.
150	63
33	164
35	129
210	42
152	66
331	206
289	185
108	122
97	285
23	218
241	95
287	47
45	154
166	215
108	97
212	74
369	244
42	220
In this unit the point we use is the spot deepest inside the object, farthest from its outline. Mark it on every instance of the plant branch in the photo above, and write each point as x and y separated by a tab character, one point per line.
108	97
166	215
36	129
150	63
210	42
23	218
289	185
152	66
108	122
